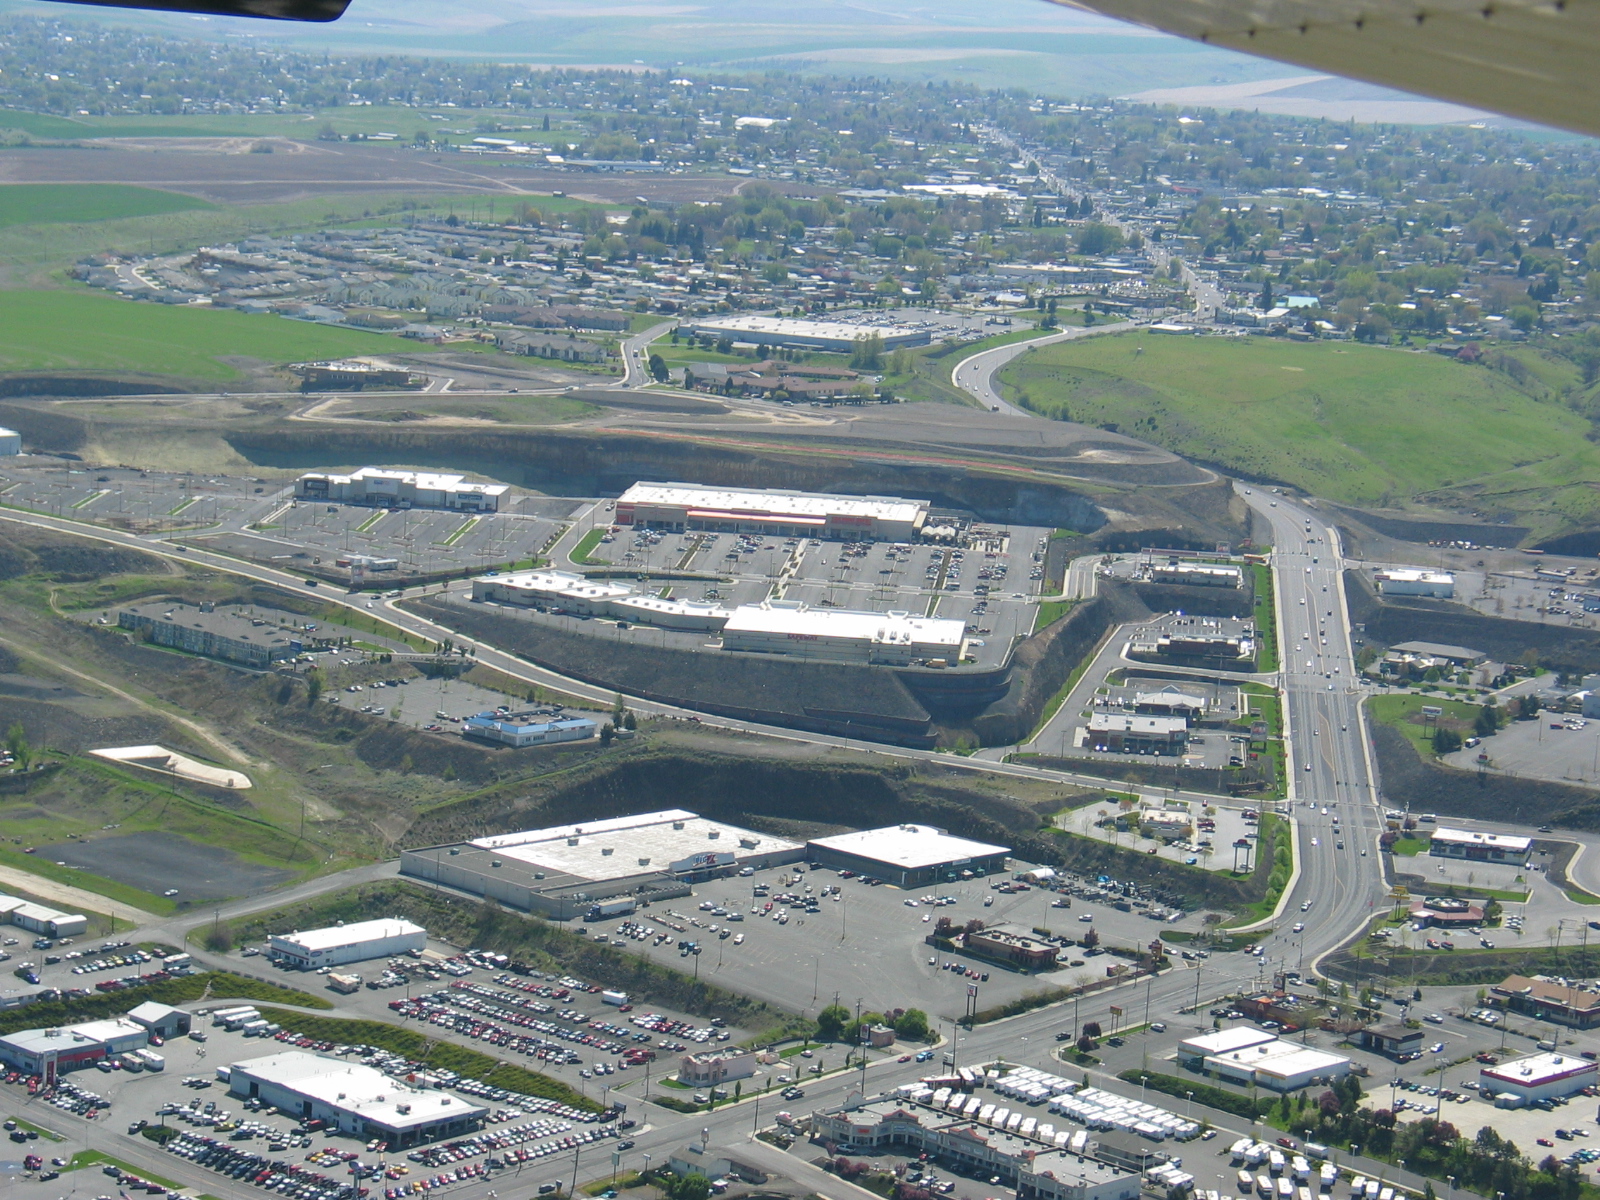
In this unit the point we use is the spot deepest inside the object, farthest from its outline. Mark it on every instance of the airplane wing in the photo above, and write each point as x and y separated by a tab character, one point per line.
1533	59
274	10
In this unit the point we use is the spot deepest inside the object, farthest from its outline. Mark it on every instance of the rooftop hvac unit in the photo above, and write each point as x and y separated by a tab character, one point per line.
644	862
605	852
714	834
677	824
572	841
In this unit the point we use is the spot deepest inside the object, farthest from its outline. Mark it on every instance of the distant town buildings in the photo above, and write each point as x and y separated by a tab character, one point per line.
837	336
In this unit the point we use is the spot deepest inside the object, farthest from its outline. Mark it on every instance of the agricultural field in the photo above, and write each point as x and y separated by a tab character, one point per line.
1353	423
62	204
44	331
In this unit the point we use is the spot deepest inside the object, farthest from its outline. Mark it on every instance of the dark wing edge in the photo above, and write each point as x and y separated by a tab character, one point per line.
1532	59
268	10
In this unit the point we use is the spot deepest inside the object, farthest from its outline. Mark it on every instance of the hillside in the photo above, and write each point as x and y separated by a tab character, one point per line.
1359	424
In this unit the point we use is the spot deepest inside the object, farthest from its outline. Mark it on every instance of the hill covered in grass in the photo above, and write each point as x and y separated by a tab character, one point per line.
1362	425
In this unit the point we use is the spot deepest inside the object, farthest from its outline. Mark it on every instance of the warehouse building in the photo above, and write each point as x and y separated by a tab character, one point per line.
351	375
161	1019
10	443
898	639
1279	1065
339	944
356	1100
1130	733
561	871
907	855
1197	575
835	336
36	918
1479	847
534	728
1537	1077
687	506
401	489
1406	582
72	1046
201	630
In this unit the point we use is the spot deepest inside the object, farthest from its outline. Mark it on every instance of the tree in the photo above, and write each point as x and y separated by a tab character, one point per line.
629	721
693	1186
658	369
912	1025
1487	722
1091	1029
831	1022
17	744
1446	741
1099	239
867	354
1091	940
314	685
1264	302
608	733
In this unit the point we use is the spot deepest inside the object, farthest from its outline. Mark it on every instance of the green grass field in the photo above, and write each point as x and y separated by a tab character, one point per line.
70	330
1357	424
61	204
1401	713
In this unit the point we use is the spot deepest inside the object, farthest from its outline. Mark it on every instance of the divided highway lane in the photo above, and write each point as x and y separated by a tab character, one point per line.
1328	762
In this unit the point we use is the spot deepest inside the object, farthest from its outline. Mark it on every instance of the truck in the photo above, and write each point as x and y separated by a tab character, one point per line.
256	1028
177	963
239	1020
344	983
222	1016
616	999
152	1061
130	1062
620	907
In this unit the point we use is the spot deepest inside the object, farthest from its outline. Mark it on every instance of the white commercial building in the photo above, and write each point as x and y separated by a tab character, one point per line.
688	506
1479	847
400	489
837	336
346	943
1197	575
356	1100
527	728
1407	582
1223	1041
566	590
907	855
841	635
10	442
33	1050
36	918
1279	1065
1537	1077
562	871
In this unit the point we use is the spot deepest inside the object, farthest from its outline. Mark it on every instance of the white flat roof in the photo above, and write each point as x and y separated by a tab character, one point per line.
698	608
883	628
1197	568
347	935
354	1088
1413	575
1471	837
65	1038
909	847
794	327
1537	1069
1134	723
1278	1057
611	849
772	500
1238	1037
425	480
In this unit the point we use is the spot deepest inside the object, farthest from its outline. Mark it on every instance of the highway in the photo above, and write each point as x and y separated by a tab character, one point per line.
976	373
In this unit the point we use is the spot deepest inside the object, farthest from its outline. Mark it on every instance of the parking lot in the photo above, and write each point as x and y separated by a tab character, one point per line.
990	582
1211	843
141	501
1553	747
422	541
868	941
